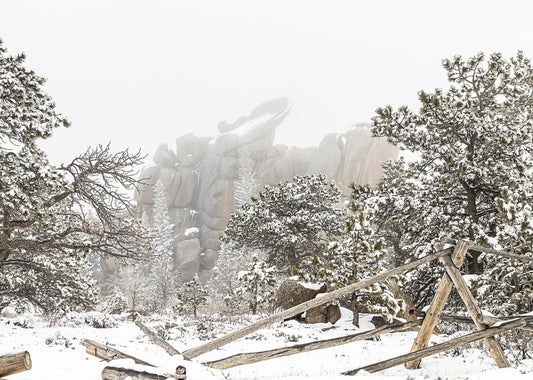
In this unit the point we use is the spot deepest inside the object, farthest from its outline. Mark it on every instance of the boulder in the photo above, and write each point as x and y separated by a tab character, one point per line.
208	259
165	157
378	321
291	293
323	314
187	258
190	149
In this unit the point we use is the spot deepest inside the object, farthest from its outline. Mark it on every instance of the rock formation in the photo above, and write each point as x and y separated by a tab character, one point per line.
199	175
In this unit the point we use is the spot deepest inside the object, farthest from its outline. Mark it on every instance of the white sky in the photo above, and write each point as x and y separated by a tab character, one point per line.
140	73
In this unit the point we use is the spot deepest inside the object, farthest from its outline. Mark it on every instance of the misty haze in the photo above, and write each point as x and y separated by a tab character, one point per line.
266	190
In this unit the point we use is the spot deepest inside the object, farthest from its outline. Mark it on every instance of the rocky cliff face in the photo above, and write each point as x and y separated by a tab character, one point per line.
199	175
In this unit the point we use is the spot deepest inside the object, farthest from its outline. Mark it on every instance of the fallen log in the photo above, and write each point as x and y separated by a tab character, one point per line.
107	353
15	363
219	342
253	357
451	344
117	373
156	340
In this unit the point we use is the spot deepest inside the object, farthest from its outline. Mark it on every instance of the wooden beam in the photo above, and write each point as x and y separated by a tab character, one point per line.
451	344
219	342
15	363
253	357
107	353
495	349
117	373
154	338
491	251
433	313
487	319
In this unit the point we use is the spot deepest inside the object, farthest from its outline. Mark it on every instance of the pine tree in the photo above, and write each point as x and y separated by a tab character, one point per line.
246	184
357	256
288	221
506	286
162	273
471	142
115	302
257	284
46	233
193	295
223	280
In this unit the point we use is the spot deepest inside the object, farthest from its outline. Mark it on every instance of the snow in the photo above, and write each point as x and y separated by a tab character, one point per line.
311	285
56	350
193	231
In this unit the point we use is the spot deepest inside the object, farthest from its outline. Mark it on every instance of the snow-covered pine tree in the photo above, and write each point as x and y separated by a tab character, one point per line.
257	284
115	302
162	268
358	256
245	187
506	286
470	142
193	295
223	280
46	232
288	221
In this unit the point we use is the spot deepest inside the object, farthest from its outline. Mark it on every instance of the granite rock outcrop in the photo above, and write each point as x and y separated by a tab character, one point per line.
199	175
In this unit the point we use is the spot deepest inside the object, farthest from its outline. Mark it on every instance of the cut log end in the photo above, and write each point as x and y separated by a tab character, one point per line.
15	363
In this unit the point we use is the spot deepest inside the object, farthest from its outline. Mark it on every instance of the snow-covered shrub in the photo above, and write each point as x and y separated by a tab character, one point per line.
92	319
115	303
257	285
192	296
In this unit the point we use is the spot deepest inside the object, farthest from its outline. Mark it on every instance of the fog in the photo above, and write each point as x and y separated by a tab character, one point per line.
140	73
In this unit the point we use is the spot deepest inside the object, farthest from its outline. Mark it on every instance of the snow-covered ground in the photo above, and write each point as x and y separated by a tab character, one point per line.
56	349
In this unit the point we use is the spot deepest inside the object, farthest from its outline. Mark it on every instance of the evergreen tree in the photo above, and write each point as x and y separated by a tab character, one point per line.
257	284
46	234
115	302
193	295
471	143
246	184
288	221
162	273
506	286
358	256
223	280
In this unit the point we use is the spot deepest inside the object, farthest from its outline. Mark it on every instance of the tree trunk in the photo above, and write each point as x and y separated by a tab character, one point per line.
15	363
355	310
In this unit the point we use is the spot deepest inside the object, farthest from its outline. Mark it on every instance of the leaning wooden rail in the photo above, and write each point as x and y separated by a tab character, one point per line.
479	248
253	357
454	343
322	299
101	351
